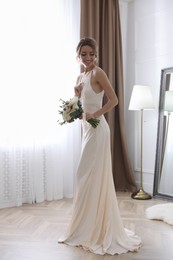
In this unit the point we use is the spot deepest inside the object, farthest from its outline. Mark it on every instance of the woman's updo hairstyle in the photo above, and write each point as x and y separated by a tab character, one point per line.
89	42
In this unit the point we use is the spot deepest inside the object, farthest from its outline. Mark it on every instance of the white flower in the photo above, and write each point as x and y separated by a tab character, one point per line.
66	116
73	103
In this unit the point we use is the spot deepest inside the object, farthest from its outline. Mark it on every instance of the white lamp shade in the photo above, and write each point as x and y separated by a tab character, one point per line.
141	98
169	101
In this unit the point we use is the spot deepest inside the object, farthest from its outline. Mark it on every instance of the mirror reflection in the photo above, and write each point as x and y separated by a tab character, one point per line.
163	179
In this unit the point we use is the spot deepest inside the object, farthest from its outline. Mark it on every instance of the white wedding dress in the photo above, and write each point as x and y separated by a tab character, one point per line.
96	224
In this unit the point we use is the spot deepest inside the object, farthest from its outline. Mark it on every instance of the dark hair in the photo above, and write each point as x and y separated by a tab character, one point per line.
89	42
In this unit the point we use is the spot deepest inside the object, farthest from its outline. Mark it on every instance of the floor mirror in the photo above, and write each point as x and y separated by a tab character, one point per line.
163	176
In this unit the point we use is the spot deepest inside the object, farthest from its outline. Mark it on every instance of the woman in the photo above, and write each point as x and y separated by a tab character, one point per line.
96	224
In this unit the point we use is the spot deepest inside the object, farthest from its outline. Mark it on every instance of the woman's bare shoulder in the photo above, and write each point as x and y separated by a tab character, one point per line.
99	72
98	69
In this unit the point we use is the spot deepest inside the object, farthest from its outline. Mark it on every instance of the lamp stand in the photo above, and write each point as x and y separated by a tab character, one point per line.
141	194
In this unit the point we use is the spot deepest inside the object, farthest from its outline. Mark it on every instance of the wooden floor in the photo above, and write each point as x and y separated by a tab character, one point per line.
31	232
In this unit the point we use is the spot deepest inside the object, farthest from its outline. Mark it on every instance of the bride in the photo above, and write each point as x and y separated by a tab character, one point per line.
96	224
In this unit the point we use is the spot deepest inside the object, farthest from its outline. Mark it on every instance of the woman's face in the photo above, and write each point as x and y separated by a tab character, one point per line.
87	56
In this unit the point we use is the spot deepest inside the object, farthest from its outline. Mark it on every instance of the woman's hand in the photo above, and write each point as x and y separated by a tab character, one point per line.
89	116
78	89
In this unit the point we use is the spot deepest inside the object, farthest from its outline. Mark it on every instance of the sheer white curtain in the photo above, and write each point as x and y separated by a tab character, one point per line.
38	66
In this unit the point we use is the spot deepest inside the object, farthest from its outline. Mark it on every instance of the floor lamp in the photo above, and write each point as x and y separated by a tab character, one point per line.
141	99
168	108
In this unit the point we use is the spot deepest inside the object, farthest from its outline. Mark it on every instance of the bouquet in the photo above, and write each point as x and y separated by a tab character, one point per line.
72	110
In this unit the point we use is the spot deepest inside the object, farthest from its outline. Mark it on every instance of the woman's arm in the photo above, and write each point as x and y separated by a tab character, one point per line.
104	83
78	88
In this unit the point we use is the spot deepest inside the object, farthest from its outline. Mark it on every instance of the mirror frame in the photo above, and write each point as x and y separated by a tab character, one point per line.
160	134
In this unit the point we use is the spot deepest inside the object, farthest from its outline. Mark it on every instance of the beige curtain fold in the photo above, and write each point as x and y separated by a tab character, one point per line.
100	19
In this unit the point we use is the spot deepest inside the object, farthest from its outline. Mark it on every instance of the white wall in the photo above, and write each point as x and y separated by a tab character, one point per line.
147	34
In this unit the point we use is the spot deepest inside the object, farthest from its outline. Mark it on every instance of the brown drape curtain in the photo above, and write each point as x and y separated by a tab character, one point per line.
100	19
